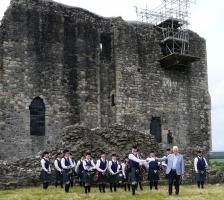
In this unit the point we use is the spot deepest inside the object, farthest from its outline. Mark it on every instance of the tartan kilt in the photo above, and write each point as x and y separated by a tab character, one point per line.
113	178
80	176
88	176
153	176
201	176
102	178
44	176
125	179
58	176
133	174
67	175
120	178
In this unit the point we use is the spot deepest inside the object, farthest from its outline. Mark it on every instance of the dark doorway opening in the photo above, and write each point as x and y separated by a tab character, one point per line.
155	128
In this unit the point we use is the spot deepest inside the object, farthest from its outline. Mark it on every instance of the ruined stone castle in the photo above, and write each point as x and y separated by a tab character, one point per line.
62	66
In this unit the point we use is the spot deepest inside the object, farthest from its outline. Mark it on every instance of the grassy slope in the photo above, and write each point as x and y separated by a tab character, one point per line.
212	192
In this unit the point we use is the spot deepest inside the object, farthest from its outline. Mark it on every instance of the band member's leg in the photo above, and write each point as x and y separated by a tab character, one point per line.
129	187
67	185
156	185
86	188
151	184
100	187
140	185
133	187
202	184
115	187
56	179
125	187
111	187
104	186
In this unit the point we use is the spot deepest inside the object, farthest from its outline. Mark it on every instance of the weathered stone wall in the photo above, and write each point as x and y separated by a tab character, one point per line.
25	172
51	51
94	71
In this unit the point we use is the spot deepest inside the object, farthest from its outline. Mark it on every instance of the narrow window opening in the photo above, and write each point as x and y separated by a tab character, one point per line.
37	117
112	100
105	46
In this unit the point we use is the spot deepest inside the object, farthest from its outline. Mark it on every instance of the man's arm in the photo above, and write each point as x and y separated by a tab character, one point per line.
132	157
77	166
118	167
43	165
98	166
182	165
109	168
63	164
123	169
195	165
206	164
56	166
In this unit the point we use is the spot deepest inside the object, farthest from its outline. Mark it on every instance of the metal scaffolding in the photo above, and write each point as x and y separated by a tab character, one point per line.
172	20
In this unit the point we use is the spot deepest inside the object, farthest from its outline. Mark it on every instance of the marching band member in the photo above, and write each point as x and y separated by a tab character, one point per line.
67	166
134	162
140	172
114	170
88	173
46	169
200	165
79	170
125	173
153	171
164	163
58	170
73	169
101	167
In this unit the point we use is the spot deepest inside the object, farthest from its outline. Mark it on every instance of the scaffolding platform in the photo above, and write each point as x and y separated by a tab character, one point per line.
172	39
171	22
178	60
171	19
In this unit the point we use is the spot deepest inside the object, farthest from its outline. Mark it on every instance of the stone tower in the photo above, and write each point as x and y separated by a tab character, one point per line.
61	66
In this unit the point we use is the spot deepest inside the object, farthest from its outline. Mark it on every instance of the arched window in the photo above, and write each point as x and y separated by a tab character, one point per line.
105	46
37	117
155	128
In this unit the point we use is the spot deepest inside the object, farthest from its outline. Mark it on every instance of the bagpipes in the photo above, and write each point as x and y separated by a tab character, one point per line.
98	174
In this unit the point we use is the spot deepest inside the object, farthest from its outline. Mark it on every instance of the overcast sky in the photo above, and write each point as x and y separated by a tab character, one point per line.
207	19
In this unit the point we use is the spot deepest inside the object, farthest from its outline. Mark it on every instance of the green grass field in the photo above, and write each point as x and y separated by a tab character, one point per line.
217	164
188	192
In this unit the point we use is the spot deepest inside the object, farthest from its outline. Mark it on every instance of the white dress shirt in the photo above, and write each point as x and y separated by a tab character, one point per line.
56	165
110	164
88	168
196	162
134	158
63	163
98	165
43	165
175	162
77	166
